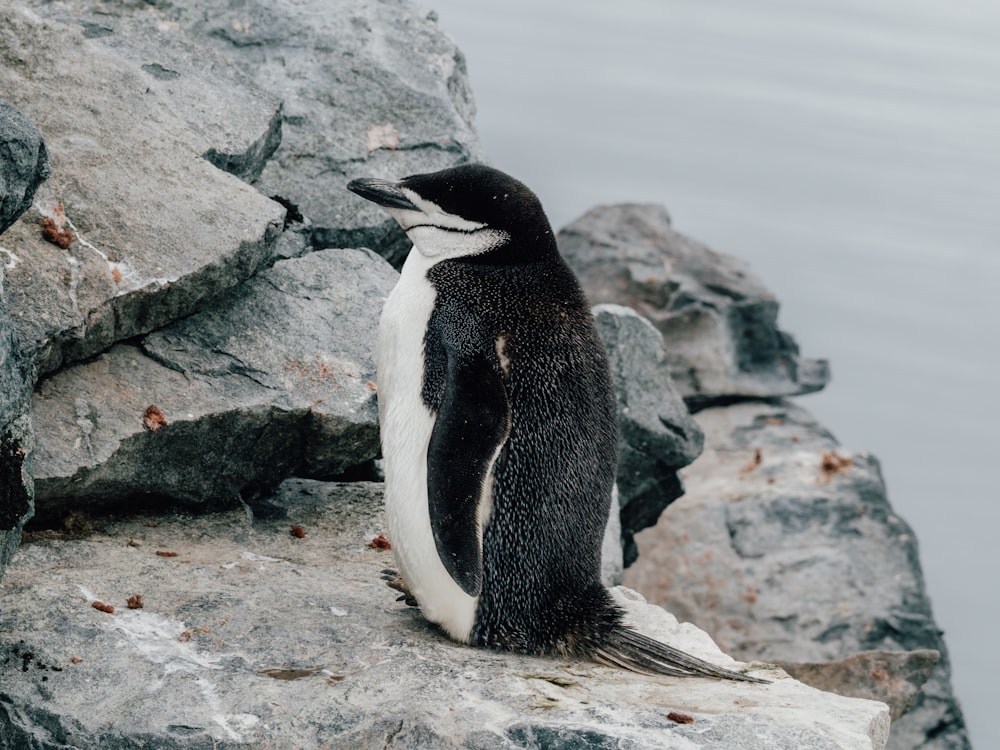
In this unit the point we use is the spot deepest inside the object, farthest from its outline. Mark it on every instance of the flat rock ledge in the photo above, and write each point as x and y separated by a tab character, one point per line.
251	635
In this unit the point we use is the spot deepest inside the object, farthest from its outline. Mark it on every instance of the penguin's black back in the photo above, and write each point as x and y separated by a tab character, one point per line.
552	483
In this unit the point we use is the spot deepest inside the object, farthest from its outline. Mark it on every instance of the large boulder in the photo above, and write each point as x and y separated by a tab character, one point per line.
133	229
369	89
717	317
275	379
249	635
785	548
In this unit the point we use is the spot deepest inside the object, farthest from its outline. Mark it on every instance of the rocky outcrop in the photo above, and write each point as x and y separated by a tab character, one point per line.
249	635
785	548
347	89
274	379
189	93
369	88
719	319
133	229
895	678
23	167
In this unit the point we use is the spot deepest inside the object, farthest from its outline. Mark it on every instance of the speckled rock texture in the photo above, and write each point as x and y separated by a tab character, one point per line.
23	167
369	89
16	439
785	548
252	636
276	378
133	229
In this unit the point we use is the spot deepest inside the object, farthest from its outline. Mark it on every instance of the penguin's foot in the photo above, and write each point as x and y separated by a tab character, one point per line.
395	581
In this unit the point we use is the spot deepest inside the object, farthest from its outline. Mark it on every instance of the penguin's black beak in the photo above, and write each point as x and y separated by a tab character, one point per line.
382	192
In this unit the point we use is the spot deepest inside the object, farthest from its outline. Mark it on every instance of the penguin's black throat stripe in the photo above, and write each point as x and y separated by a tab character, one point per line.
455	230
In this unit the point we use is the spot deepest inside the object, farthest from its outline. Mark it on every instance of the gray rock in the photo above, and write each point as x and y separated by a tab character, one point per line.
252	637
274	379
369	89
240	121
786	548
719	320
151	231
612	557
892	677
24	165
16	438
658	434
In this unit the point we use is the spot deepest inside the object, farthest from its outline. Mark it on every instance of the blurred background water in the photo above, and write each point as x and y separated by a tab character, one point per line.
850	151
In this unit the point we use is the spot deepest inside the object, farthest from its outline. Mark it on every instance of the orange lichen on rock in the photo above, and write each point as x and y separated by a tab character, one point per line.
62	238
153	418
53	228
833	463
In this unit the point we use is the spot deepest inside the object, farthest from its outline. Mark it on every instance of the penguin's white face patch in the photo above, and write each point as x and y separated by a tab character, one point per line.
438	234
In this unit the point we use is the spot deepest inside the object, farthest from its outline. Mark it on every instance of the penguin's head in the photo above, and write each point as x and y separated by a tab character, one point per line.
467	211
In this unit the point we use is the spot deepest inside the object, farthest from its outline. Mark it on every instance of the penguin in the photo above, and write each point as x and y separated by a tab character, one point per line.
499	428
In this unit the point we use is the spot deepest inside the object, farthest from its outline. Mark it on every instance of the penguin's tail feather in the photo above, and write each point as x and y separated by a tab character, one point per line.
628	649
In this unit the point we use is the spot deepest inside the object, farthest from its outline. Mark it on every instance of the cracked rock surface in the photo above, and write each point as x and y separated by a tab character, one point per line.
276	378
785	548
250	636
145	228
369	89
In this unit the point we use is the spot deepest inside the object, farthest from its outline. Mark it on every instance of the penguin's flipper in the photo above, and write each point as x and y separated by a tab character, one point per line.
472	424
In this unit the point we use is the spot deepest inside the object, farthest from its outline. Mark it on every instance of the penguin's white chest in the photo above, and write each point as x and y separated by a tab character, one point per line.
406	424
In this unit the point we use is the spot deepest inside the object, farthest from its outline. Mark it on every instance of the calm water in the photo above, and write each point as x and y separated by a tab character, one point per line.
851	153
